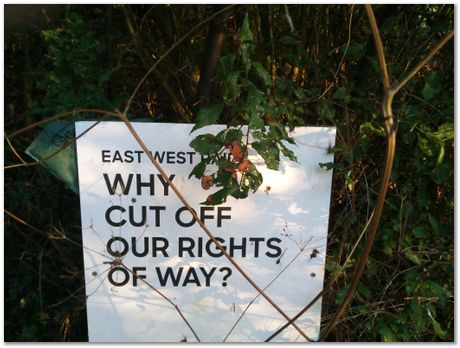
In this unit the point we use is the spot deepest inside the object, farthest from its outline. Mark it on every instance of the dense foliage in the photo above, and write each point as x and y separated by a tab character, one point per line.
302	64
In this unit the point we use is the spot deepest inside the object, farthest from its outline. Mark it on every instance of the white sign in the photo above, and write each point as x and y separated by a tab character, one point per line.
169	268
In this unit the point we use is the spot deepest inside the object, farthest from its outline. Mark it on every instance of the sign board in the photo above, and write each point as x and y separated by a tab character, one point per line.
277	235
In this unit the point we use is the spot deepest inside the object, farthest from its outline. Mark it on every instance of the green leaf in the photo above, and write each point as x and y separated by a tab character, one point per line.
327	165
246	43
286	152
289	40
425	144
229	135
437	290
363	309
219	197
208	115
433	85
341	94
413	257
433	223
227	64
365	291
241	193
206	144
254	177
264	75
420	232
231	89
386	333
438	328
327	110
269	151
198	170
245	33
445	132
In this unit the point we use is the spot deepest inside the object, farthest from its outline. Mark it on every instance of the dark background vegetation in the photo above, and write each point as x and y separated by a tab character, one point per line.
61	57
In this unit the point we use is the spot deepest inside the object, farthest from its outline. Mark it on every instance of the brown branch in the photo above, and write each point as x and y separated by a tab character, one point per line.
204	227
420	65
379	47
390	150
59	116
390	127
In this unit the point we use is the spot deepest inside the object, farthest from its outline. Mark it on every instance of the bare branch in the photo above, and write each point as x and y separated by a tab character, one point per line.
58	150
59	116
420	65
390	151
378	46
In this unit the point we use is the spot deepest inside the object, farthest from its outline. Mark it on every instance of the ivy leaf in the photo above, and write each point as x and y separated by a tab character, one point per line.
208	115
269	151
206	144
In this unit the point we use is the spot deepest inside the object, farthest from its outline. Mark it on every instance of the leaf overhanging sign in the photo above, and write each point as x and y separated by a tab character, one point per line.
149	265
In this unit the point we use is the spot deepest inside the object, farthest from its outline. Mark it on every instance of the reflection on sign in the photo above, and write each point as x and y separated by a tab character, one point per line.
148	263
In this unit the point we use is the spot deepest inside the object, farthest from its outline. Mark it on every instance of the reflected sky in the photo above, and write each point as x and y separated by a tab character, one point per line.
293	214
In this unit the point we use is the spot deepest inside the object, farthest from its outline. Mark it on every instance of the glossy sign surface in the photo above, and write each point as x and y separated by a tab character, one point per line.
144	254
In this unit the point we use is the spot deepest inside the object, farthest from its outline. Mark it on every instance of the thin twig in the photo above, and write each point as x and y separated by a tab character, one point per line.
343	55
420	65
289	19
25	223
13	149
58	150
170	49
265	288
390	128
325	289
59	116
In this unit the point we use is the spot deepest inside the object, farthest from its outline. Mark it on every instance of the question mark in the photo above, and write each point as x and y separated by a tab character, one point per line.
229	273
